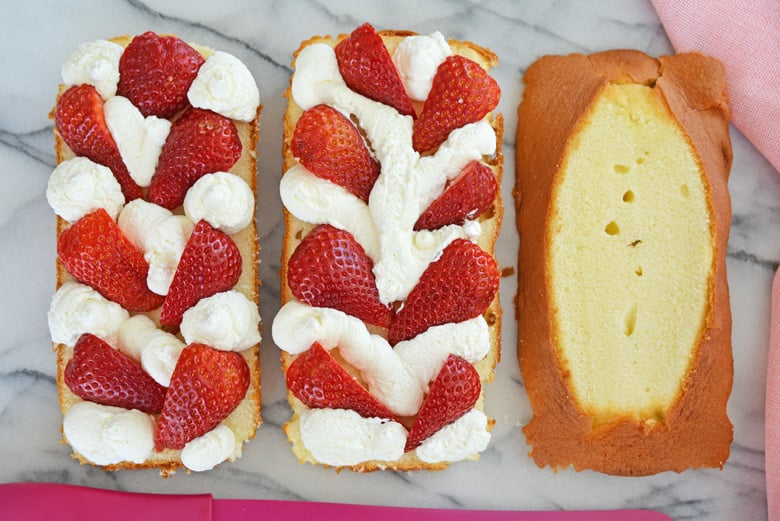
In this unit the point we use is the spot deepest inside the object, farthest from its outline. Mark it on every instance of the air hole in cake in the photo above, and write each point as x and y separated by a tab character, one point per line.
490	318
640	160
612	228
639	271
621	169
631	320
628	197
684	191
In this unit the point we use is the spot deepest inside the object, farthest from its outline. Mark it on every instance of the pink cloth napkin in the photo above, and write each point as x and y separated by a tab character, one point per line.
745	36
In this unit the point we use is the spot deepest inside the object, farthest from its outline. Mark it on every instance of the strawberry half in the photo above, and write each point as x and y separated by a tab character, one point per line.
101	374
200	142
329	268
155	73
209	264
81	124
453	393
458	286
95	251
206	386
368	69
330	147
462	92
468	195
319	381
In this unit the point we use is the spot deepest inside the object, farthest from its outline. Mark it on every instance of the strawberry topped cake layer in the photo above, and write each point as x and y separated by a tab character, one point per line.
390	322
155	319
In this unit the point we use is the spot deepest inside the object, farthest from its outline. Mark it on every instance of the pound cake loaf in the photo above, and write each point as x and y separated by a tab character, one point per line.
390	322
155	320
623	306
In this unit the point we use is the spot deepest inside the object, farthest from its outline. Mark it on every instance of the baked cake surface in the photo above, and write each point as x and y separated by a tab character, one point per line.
624	215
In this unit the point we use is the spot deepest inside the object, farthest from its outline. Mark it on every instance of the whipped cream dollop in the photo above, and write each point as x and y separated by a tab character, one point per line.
343	437
209	450
417	59
108	435
225	85
96	63
77	309
223	199
398	377
227	321
461	439
79	186
156	350
139	139
161	235
407	183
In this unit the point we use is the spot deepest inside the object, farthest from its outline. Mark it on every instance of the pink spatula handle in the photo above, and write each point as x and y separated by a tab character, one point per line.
47	501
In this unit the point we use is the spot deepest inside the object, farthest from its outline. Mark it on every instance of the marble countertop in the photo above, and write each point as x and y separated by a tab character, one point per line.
38	35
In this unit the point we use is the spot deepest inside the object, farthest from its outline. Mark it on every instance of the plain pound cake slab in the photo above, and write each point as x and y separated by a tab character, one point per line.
390	321
623	306
155	320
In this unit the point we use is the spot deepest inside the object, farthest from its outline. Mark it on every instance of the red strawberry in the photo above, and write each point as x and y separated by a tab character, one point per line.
458	286
462	92
453	393
200	142
101	374
468	195
206	386
95	251
209	264
330	146
155	73
329	268
367	69
319	381
80	122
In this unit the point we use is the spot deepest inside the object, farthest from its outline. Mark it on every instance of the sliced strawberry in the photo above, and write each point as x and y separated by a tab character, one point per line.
458	286
462	92
468	195
155	73
329	268
453	393
330	146
368	69
95	251
80	122
101	374
200	142
209	264
319	381
206	386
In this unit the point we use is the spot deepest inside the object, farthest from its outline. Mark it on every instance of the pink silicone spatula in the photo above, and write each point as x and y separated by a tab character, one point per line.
47	501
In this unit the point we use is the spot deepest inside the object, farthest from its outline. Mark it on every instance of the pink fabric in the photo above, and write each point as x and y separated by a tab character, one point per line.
745	36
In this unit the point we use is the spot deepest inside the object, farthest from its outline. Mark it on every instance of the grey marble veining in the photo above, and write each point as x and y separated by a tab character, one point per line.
37	36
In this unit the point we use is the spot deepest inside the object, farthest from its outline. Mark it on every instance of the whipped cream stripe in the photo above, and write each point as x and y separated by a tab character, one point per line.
229	321
407	185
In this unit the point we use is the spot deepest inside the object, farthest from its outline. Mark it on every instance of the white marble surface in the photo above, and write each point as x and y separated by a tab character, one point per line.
36	37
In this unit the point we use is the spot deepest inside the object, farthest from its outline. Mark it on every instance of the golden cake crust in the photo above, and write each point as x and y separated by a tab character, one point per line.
246	417
696	431
295	230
